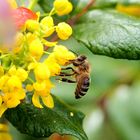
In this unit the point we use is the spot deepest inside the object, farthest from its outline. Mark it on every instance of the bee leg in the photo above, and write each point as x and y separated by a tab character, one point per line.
68	68
66	80
66	74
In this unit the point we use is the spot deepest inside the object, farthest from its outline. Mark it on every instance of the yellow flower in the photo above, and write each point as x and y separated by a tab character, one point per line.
22	74
53	67
30	37
11	103
12	71
36	48
129	9
3	81
42	89
47	21
64	30
47	100
1	71
32	65
41	72
29	87
20	94
48	43
62	55
14	83
32	25
10	100
47	26
36	100
39	86
62	7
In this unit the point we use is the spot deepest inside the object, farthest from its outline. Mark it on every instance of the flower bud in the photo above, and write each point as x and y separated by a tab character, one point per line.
62	7
32	25
36	48
47	21
41	72
63	30
47	26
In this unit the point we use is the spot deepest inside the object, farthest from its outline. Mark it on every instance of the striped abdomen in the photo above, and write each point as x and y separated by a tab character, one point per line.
83	82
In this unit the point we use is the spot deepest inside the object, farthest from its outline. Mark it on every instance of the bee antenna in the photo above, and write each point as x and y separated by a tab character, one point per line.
73	52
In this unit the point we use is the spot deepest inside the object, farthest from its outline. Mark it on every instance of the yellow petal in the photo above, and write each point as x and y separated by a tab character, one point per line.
29	87
32	66
12	70
0	100
48	43
22	74
47	21
1	71
48	101
129	9
36	48
20	94
32	25
12	103
3	108
35	100
63	30
62	7
42	72
39	86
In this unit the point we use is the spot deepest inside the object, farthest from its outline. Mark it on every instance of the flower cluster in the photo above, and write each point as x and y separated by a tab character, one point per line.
24	69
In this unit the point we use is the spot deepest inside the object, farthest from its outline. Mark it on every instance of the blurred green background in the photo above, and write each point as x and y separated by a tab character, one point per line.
112	104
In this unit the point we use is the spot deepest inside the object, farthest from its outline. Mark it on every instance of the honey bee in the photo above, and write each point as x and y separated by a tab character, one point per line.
81	74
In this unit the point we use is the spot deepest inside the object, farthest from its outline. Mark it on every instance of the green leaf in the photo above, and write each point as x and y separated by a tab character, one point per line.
110	33
36	122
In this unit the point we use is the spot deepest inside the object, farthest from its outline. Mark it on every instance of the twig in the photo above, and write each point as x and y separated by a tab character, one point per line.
74	19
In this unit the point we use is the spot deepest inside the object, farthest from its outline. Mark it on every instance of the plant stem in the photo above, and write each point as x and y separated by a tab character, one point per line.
47	53
30	80
74	19
4	56
32	4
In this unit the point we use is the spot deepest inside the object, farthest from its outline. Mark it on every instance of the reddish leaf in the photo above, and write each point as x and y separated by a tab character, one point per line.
21	15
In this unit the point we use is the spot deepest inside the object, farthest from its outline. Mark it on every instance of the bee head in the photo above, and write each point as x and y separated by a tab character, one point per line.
79	60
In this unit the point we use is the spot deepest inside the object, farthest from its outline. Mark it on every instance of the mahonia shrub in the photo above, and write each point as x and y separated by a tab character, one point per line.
22	68
32	58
